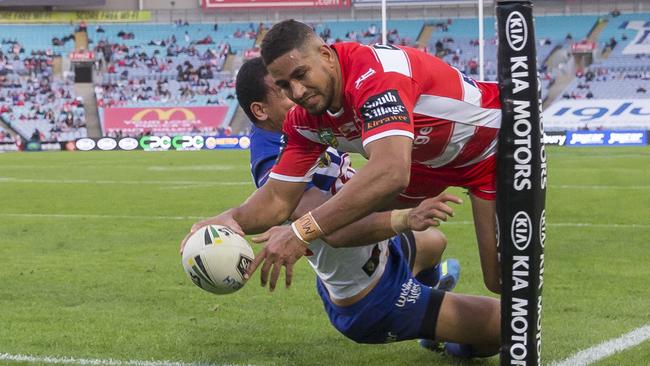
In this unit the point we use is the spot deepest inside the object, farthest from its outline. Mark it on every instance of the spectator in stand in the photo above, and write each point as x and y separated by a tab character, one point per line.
372	31
641	90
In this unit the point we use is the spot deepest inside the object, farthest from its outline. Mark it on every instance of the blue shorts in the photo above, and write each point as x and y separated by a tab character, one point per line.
398	308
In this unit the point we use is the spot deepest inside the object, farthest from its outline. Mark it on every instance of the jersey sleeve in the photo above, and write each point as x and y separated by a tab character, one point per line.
265	147
298	158
383	92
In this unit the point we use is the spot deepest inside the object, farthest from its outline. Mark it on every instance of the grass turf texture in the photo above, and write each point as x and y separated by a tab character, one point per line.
90	263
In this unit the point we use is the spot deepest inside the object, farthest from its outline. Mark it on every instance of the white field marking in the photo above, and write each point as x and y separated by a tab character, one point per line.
599	156
607	348
159	217
571	186
162	168
93	361
127	182
96	216
177	183
567	224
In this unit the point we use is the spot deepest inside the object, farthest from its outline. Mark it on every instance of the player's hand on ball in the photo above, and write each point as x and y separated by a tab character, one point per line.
431	211
283	248
224	219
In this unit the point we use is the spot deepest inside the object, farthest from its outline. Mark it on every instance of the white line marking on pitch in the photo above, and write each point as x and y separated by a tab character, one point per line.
160	217
566	224
96	216
607	348
570	186
209	183
131	182
93	361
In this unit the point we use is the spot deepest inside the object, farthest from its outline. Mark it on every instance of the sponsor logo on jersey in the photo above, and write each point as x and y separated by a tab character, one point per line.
391	337
373	262
362	78
326	136
325	160
409	294
382	109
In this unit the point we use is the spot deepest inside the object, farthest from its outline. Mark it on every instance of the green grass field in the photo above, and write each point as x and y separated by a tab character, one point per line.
91	270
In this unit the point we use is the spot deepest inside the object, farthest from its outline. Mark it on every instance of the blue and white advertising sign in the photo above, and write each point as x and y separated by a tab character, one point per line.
641	41
607	138
609	114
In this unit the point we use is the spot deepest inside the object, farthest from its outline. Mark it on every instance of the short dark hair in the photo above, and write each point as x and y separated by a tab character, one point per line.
284	37
250	86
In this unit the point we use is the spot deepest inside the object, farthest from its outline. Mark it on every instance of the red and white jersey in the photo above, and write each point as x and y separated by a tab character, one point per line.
397	91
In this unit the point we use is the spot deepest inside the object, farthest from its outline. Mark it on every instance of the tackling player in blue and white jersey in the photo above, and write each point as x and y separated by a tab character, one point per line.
376	287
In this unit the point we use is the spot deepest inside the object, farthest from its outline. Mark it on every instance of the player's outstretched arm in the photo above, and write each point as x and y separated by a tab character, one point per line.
270	205
379	225
385	175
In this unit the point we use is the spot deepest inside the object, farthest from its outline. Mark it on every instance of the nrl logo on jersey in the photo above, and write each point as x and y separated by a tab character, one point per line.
326	136
362	78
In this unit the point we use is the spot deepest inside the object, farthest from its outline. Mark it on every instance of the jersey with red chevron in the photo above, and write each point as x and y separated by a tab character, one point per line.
452	119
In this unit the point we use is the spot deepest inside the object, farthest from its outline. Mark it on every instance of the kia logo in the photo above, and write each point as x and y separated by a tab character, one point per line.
85	144
516	31
521	230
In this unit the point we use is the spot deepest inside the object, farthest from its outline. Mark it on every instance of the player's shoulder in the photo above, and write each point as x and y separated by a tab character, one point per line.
354	56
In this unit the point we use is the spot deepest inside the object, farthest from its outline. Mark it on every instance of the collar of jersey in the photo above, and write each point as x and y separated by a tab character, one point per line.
337	114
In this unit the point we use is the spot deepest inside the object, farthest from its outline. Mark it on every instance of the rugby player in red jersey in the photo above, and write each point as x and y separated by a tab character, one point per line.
422	124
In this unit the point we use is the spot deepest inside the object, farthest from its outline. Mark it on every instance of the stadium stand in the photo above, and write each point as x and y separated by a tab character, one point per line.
35	102
150	65
455	40
180	64
622	69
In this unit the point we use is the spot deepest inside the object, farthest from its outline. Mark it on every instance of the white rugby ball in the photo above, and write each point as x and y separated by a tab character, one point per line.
215	258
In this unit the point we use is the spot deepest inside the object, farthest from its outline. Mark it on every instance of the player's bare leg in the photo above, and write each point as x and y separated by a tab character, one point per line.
430	244
485	224
470	320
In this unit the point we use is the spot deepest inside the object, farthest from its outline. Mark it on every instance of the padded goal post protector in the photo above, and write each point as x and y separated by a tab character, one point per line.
521	186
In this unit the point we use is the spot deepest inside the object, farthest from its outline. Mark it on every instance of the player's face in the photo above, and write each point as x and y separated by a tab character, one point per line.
276	105
307	76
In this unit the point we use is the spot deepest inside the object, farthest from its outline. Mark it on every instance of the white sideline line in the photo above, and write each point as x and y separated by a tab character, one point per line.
607	348
97	216
570	186
566	224
131	182
208	183
93	361
160	217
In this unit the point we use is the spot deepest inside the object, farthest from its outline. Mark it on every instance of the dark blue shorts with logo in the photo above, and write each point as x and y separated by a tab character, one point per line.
398	308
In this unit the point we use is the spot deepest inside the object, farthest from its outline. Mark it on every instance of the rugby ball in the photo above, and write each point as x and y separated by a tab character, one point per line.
215	258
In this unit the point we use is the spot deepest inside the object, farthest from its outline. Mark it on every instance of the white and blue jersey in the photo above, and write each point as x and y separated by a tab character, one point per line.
398	307
332	171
